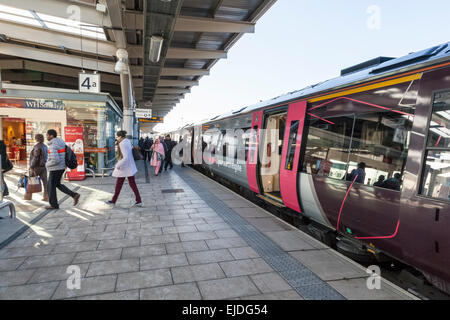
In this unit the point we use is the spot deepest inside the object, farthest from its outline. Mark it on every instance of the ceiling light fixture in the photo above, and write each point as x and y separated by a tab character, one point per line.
156	44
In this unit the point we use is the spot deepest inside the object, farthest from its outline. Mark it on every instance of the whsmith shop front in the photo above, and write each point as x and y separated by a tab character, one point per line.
87	122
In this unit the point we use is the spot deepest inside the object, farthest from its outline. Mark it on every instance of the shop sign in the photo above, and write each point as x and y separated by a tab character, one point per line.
75	140
89	82
44	104
143	113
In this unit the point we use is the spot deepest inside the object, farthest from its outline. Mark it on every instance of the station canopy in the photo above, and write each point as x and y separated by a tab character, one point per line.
49	42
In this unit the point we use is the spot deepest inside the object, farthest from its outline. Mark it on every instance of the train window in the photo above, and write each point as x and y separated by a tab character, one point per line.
327	146
292	144
436	172
253	145
380	148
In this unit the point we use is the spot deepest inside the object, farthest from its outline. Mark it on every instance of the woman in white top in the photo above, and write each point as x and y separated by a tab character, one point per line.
125	168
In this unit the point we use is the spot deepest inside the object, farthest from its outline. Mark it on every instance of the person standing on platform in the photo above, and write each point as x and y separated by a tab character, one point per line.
38	159
158	155
5	162
125	168
170	145
161	139
148	149
56	165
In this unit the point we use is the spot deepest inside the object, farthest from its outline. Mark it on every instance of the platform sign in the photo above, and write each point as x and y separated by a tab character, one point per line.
75	140
143	113
152	120
89	82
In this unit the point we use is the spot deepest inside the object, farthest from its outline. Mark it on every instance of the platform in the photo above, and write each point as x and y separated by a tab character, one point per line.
193	239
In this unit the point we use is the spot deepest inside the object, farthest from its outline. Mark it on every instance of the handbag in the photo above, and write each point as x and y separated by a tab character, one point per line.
137	155
33	185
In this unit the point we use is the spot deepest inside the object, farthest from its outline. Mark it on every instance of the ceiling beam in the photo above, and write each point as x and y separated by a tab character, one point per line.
196	24
115	13
167	97
21	76
171	91
184	72
9	64
55	57
159	102
63	9
176	83
182	53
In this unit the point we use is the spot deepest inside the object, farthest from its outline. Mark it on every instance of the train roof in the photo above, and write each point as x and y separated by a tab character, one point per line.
369	70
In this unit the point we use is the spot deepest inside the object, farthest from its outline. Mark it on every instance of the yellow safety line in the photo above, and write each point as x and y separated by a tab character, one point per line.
371	87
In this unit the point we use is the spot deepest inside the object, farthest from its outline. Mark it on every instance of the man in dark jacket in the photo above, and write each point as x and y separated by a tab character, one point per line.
148	149
56	165
161	139
170	145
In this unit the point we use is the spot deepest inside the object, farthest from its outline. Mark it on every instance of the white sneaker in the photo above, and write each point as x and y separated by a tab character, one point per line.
140	205
110	203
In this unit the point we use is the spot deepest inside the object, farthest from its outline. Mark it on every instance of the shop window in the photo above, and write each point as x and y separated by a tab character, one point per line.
379	149
436	172
327	146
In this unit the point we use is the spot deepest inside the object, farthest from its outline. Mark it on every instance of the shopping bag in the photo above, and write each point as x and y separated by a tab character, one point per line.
33	185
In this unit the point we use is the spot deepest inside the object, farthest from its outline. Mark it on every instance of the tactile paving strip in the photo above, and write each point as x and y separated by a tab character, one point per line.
303	280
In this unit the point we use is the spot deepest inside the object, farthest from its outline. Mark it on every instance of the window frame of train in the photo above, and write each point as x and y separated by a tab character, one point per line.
349	146
435	150
292	145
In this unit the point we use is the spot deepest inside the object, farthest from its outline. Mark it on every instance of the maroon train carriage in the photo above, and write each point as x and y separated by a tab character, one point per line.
388	117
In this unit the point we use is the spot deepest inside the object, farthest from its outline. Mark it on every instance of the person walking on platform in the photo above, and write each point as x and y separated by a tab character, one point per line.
38	159
125	168
158	155
148	149
170	145
161	140
56	165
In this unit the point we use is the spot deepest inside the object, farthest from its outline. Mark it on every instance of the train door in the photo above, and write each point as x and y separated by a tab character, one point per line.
252	159
291	154
271	151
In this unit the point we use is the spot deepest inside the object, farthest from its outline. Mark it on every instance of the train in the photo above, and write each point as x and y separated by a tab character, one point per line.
364	157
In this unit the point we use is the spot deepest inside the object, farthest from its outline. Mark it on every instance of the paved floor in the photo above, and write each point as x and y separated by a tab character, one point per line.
178	246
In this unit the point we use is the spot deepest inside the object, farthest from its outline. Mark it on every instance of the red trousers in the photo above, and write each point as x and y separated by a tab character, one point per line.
132	183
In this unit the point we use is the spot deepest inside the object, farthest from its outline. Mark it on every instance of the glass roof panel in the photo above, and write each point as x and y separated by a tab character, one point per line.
53	23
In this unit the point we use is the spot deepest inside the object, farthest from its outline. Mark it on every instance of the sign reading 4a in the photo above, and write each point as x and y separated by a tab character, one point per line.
89	82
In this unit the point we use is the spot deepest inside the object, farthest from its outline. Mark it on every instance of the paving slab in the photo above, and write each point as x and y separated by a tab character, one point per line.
188	291
197	273
112	267
227	288
143	279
